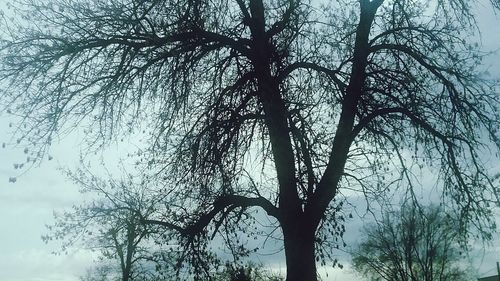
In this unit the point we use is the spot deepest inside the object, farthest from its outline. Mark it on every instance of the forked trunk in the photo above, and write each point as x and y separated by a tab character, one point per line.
299	255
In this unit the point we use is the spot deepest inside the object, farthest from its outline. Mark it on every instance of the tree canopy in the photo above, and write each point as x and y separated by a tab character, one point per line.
284	106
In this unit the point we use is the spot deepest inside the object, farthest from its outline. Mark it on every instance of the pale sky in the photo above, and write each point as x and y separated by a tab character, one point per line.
26	206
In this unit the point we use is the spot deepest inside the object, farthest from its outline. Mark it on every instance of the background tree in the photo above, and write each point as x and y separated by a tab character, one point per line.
280	106
98	273
247	272
111	223
412	244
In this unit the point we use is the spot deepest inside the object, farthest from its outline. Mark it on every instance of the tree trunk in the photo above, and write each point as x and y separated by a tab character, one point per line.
126	274
300	254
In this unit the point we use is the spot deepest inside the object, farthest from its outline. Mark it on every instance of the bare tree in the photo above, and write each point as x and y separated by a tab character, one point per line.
111	223
413	244
98	273
247	272
327	98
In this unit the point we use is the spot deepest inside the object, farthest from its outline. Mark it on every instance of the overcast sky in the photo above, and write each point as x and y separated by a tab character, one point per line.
27	205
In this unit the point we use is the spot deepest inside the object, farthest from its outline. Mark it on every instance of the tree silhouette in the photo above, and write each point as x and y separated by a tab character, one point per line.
413	244
111	223
282	106
248	272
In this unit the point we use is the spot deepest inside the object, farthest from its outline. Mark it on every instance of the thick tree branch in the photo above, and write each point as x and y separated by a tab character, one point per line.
218	207
280	25
328	184
364	122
